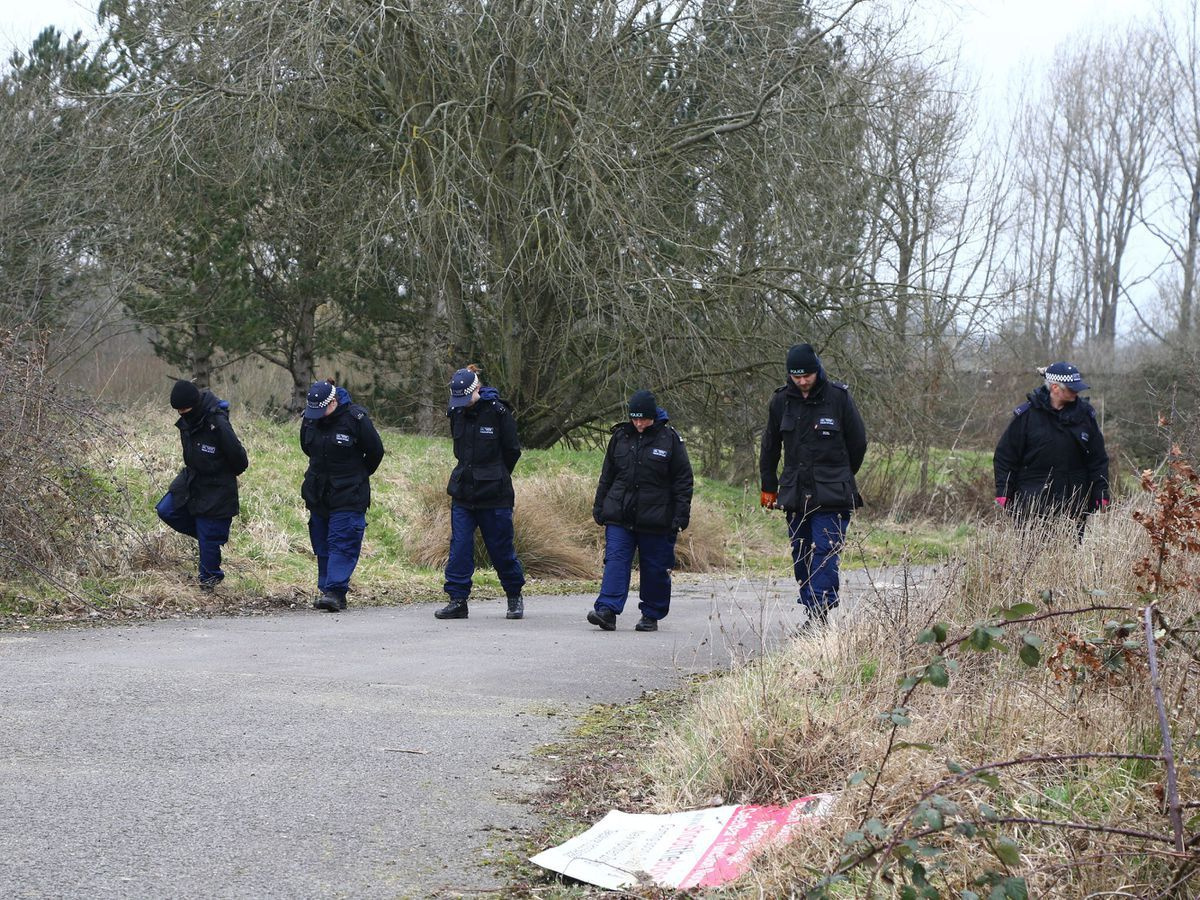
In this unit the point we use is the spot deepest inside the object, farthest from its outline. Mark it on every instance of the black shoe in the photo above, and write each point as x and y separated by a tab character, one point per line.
603	617
330	602
818	618
516	608
208	585
455	609
646	624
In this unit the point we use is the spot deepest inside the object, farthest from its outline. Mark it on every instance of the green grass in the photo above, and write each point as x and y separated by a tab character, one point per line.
268	558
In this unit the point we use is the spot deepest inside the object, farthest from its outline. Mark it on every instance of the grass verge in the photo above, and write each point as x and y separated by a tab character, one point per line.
140	569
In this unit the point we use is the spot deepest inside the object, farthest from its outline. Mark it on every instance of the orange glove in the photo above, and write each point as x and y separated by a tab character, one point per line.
768	498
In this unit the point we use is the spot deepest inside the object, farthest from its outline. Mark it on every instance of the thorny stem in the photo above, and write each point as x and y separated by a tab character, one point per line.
903	701
886	849
1173	810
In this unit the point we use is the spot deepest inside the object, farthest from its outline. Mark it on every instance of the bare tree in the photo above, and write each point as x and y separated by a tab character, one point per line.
588	195
46	214
1180	136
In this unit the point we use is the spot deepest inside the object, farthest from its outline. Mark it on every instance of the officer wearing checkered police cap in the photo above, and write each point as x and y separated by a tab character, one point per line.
1051	459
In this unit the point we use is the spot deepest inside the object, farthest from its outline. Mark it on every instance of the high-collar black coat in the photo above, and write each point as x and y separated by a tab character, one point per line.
487	449
1052	460
213	458
823	440
343	450
646	480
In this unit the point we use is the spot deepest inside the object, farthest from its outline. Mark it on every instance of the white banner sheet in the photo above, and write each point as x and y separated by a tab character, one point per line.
702	848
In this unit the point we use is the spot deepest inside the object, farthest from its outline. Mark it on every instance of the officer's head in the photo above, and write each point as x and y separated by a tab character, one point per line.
465	386
803	366
184	396
643	409
1064	382
322	400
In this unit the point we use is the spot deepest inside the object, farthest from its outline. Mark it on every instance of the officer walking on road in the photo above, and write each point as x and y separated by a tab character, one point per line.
824	441
1051	460
203	498
343	450
481	490
643	500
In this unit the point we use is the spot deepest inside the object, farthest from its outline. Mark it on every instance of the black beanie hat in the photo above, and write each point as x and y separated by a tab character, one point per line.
802	360
642	405
184	395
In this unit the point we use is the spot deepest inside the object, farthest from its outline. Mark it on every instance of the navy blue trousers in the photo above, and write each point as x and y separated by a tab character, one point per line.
656	553
337	542
496	526
817	540
211	534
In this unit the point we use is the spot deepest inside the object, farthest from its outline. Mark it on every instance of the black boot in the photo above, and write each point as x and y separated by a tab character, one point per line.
646	624
604	618
329	602
516	608
818	618
455	609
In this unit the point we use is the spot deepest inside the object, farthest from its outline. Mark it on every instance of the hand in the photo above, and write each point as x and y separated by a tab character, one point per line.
1100	505
768	499
596	517
679	525
1002	502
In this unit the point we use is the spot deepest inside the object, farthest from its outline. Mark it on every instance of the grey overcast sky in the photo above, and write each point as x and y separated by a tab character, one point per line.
997	36
994	33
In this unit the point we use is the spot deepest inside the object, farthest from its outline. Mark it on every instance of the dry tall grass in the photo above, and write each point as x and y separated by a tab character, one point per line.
810	717
553	529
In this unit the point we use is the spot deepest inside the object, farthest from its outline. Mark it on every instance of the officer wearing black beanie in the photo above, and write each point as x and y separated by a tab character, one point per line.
203	498
643	501
816	425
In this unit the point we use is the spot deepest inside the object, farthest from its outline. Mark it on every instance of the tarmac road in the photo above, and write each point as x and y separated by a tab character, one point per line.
375	753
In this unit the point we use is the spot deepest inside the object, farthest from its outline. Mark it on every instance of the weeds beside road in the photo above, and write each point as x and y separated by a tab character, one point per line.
996	736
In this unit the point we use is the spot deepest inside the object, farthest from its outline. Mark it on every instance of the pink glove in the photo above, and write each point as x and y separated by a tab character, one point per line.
1001	501
1101	504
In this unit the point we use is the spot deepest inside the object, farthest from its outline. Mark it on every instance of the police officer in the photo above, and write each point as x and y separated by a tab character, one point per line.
203	498
824	441
1051	460
481	490
643	500
343	450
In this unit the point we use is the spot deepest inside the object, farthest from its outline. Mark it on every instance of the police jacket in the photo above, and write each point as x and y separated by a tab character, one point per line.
487	450
823	440
213	458
1052	459
646	480
343	450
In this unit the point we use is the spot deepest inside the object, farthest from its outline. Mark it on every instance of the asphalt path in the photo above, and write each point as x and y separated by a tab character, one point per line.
373	753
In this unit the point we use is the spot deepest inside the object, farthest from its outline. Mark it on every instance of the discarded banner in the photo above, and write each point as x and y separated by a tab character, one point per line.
702	848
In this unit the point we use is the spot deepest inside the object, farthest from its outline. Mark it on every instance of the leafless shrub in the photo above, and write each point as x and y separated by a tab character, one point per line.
61	515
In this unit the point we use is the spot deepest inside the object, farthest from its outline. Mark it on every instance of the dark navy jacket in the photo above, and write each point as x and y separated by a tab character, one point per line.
343	450
213	458
823	439
487	449
646	480
1053	460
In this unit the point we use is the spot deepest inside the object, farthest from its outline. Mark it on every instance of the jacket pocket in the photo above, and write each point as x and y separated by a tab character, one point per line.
832	487
180	487
310	490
